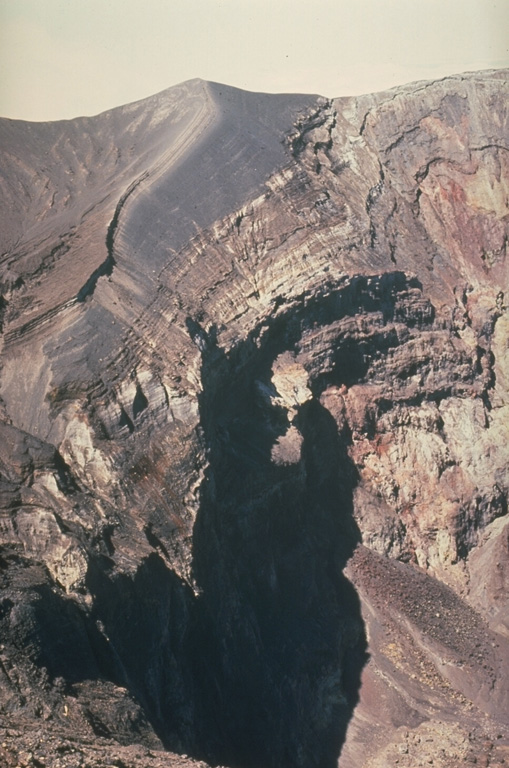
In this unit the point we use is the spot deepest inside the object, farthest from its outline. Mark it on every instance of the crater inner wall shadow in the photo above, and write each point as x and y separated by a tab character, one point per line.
278	641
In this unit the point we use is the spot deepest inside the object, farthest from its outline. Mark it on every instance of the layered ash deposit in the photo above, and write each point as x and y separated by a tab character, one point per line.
254	431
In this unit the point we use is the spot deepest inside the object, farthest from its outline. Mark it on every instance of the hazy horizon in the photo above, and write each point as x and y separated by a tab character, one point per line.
63	59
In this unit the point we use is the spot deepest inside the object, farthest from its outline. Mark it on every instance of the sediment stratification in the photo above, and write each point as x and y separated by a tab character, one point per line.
254	426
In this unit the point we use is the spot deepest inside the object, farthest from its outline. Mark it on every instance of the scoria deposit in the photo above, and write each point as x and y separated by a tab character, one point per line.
254	429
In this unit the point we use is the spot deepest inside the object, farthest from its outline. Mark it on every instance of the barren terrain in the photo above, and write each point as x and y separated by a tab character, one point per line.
254	429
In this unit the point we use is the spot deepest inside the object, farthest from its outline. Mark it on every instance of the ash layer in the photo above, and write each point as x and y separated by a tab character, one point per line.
254	426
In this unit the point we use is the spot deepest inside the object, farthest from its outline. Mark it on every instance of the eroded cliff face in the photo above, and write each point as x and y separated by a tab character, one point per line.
255	417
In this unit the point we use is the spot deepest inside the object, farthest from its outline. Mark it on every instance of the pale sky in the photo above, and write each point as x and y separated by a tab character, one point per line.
64	58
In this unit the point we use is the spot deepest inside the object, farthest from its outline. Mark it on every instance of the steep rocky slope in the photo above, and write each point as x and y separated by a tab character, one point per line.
254	426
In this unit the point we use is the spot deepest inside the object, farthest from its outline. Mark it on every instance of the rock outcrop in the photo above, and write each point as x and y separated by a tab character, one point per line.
254	425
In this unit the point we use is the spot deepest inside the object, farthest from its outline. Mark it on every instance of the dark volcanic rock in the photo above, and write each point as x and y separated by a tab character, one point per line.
254	426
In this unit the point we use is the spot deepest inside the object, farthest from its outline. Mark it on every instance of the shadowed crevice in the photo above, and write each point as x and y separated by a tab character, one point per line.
278	639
